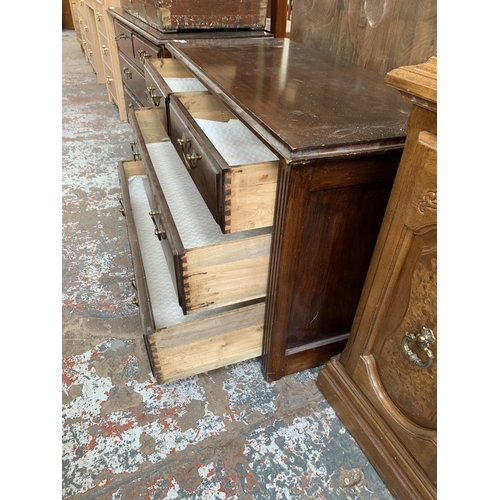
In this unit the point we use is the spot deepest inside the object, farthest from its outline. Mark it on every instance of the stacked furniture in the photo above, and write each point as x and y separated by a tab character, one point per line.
276	264
384	385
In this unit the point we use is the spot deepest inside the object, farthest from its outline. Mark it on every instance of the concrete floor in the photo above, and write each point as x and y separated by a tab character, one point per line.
226	434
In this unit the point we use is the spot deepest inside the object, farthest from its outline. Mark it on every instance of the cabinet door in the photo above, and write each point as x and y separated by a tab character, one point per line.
395	371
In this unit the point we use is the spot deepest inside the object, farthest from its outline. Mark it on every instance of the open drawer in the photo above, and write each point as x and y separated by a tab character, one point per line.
210	269
235	172
166	76
179	346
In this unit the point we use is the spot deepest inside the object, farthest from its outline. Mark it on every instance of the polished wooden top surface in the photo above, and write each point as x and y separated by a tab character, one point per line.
303	102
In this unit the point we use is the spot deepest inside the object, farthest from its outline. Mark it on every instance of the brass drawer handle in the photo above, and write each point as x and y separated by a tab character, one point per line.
136	154
98	16
120	35
122	208
423	339
104	49
109	80
160	233
152	97
85	27
81	3
184	141
84	43
127	73
143	55
89	52
191	160
135	300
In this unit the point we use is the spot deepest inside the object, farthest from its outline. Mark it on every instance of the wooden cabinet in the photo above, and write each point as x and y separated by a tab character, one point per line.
383	386
296	228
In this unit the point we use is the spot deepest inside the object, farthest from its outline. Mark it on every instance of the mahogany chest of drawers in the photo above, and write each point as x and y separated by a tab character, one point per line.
292	220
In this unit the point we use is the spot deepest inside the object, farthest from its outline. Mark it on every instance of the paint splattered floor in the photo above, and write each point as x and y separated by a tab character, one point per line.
226	434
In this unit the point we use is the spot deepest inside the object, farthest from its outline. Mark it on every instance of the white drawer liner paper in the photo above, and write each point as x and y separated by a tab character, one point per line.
160	284
236	144
194	222
185	84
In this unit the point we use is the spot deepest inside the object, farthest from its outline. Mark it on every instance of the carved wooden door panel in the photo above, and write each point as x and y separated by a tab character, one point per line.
398	368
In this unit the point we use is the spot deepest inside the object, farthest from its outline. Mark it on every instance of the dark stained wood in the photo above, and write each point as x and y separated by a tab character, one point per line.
339	132
300	101
378	35
279	11
133	79
195	14
385	390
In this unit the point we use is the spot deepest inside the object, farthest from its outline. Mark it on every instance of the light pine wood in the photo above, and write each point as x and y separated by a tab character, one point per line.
251	195
227	273
193	347
152	123
171	68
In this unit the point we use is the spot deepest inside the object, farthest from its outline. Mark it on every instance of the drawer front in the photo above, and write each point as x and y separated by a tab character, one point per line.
198	160
99	20
105	50
211	269
240	194
133	79
123	37
110	82
130	101
154	95
179	346
143	50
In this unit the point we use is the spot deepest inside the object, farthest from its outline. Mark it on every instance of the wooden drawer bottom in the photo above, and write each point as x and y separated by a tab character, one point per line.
179	346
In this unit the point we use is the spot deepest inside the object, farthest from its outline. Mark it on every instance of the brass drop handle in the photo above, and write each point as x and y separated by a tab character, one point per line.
120	35
80	20
122	208
191	160
143	55
109	80
135	300
104	49
85	27
153	98
81	3
98	15
184	141
89	52
423	339
160	233
127	73
84	43
135	154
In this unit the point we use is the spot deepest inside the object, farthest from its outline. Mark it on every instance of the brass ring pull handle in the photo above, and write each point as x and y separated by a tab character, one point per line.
122	208
135	154
143	55
127	73
423	339
120	35
152	97
160	233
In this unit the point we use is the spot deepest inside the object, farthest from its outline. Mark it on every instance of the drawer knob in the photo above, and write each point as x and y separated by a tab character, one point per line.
120	36
136	154
423	339
143	55
152	98
127	73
